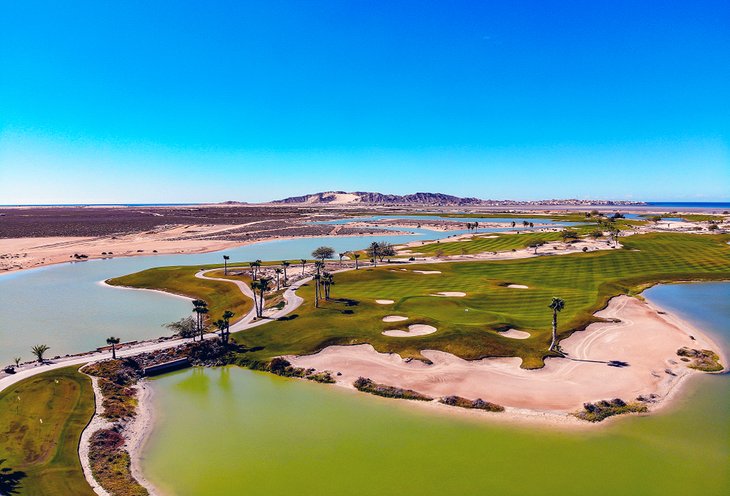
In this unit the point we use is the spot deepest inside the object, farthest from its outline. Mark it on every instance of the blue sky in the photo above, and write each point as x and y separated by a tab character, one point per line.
175	102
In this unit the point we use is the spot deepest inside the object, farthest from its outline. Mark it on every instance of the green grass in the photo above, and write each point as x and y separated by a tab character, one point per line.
45	452
481	244
585	281
181	280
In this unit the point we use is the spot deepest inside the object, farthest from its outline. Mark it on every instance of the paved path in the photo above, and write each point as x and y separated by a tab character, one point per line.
292	301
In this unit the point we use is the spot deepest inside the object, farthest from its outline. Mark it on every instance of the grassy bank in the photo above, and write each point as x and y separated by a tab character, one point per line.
41	420
181	280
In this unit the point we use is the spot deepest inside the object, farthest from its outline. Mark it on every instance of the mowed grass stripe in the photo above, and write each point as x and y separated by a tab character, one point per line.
584	280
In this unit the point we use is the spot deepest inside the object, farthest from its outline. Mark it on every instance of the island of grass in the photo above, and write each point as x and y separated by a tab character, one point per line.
601	410
468	327
41	421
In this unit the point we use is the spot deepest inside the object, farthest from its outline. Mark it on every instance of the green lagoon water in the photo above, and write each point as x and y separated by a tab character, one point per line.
233	431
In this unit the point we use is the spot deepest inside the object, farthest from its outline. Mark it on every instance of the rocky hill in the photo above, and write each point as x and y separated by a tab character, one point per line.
344	198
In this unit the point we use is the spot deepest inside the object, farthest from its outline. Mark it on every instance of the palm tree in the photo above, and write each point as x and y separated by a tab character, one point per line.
220	324
556	305
374	249
316	278
263	287
225	264
227	316
284	265
113	342
357	256
254	268
341	255
17	360
200	307
319	265
278	271
476	227
329	280
304	262
39	350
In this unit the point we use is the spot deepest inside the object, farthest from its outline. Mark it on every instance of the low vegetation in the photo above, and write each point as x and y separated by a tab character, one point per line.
478	404
110	464
41	421
704	360
601	410
367	386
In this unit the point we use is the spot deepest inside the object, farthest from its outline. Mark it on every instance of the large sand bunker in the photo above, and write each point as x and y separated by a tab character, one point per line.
413	330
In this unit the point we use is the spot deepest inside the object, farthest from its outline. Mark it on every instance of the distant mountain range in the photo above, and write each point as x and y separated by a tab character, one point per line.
437	199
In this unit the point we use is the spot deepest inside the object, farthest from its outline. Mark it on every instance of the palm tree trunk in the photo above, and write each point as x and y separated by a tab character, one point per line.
284	276
114	352
261	306
555	330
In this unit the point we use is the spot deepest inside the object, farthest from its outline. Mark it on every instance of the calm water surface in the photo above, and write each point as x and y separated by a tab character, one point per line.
65	306
233	431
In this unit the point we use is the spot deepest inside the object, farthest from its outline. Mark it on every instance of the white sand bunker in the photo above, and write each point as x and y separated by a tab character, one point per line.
413	330
384	302
427	271
456	294
517	286
515	334
394	318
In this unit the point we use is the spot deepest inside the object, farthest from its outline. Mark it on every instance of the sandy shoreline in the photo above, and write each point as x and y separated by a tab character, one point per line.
646	341
138	433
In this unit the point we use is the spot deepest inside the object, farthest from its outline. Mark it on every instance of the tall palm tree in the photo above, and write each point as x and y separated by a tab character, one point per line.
225	264
316	278
263	288
341	255
278	271
357	256
200	307
39	350
255	268
284	265
329	280
113	342
319	265
220	324
556	305
304	262
227	316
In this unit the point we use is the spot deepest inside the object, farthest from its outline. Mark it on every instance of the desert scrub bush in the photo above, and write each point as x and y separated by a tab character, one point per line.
110	464
366	385
601	410
478	403
704	360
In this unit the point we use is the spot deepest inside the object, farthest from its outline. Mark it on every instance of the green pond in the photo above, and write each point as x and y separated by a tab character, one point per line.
233	431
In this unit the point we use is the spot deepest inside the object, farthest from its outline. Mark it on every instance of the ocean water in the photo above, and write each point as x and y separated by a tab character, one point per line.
248	433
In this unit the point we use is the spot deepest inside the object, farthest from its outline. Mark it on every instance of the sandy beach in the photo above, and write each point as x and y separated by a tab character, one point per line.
641	338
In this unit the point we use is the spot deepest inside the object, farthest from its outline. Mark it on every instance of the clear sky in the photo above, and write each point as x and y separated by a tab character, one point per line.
144	101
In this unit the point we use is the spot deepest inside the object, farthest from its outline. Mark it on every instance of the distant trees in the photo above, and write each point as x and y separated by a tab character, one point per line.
113	342
304	263
535	245
185	327
357	257
225	264
568	235
470	226
378	251
323	253
556	306
597	234
372	252
284	265
327	281
39	350
278	271
341	255
200	307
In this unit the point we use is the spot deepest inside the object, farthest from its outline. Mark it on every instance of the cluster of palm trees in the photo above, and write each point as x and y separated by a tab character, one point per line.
472	226
224	326
323	282
200	308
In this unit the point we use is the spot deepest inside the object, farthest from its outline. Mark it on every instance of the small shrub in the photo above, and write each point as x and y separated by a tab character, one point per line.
367	386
